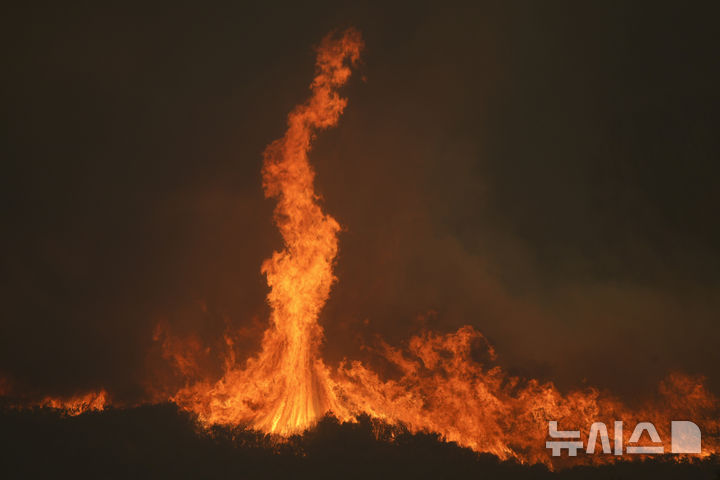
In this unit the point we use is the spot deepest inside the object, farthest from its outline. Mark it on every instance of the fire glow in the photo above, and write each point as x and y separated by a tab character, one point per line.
441	388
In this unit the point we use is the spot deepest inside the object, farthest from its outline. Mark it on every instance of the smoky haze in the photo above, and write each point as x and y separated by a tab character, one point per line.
543	172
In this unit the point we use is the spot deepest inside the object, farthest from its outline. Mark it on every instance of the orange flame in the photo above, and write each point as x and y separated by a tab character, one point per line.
441	388
77	404
287	386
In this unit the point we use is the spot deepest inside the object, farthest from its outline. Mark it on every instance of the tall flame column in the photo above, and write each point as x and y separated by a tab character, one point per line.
287	386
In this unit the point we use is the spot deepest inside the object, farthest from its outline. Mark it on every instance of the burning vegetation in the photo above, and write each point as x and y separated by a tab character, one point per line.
441	386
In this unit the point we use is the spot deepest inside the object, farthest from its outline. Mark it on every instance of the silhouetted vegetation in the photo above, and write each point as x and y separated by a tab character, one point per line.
160	442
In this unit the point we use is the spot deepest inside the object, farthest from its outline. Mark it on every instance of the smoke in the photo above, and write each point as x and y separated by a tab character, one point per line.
545	177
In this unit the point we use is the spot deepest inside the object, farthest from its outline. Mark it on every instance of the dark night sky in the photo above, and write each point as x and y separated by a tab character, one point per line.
544	171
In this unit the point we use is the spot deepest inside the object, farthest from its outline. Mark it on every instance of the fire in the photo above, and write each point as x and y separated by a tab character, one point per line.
77	404
287	386
73	405
441	387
